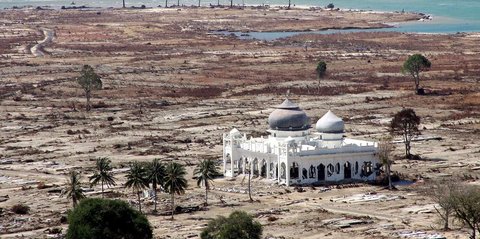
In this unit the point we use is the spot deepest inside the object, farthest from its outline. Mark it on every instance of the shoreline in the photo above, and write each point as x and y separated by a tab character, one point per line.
409	23
222	6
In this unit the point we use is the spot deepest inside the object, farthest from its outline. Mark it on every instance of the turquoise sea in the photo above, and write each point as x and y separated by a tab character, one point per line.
449	16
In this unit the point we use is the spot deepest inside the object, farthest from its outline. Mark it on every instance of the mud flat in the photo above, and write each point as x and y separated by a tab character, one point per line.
171	89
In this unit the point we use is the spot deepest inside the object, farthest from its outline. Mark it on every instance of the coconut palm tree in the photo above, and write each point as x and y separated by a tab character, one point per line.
74	189
175	182
103	173
137	180
249	171
204	173
156	176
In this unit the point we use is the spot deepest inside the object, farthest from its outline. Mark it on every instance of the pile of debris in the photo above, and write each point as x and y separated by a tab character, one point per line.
367	197
344	222
419	235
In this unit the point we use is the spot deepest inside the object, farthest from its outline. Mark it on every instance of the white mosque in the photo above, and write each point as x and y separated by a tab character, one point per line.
293	154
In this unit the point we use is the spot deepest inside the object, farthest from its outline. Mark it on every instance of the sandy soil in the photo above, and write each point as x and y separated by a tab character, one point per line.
171	89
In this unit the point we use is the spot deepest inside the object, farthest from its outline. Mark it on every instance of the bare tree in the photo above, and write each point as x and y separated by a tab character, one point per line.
466	207
442	192
385	149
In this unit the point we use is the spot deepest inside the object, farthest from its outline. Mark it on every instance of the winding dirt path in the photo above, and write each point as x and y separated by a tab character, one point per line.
37	50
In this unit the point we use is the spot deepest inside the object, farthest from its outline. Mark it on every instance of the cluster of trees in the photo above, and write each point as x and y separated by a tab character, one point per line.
413	66
238	225
456	201
107	219
169	177
112	219
404	123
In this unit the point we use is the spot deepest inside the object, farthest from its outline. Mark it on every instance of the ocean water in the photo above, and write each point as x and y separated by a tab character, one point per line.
449	16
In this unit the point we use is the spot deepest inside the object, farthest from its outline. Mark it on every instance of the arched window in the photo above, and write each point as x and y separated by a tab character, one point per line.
367	169
330	170
337	168
312	172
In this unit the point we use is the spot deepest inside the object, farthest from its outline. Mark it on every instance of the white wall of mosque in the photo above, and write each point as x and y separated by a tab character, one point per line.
293	154
319	166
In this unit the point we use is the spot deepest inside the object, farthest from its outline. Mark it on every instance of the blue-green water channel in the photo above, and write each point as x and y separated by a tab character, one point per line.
449	16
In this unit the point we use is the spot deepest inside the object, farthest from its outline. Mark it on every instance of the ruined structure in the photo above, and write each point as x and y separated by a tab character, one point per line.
294	154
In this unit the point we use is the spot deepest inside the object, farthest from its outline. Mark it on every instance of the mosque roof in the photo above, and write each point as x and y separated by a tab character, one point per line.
330	123
288	117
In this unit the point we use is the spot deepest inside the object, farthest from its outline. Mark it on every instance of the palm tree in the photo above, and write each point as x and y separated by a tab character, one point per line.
166	3
385	149
74	189
137	180
249	182
103	173
204	173
123	3
156	176
175	182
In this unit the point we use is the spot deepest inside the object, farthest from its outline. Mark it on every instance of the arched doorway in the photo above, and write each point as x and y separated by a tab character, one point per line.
255	167
347	170
228	162
294	171
283	171
240	165
263	168
356	167
273	170
321	172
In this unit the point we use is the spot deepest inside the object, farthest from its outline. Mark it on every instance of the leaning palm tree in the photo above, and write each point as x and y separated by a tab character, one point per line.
103	174
204	173
175	182
74	188
137	180
156	176
385	149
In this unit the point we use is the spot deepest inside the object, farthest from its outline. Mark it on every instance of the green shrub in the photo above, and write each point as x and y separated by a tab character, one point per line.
96	218
238	225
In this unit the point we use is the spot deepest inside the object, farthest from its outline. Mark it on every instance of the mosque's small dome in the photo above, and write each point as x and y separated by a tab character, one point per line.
288	117
330	123
234	132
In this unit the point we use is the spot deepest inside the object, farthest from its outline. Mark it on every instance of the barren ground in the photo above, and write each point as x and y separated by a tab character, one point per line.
170	89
